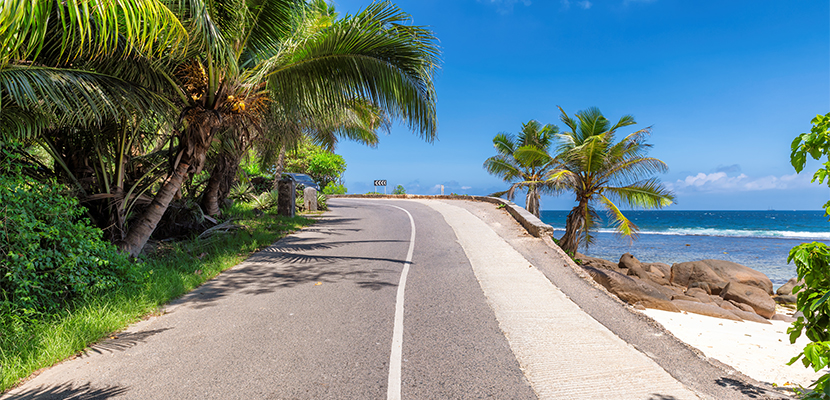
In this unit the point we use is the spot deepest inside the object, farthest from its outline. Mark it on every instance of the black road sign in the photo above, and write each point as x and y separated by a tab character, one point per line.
380	182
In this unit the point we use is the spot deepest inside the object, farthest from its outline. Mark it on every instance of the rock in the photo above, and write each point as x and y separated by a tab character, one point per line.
726	305
699	294
755	297
639	306
664	270
787	288
785	299
783	317
701	285
710	310
743	307
688	273
718	271
750	316
631	290
596	263
632	264
685	298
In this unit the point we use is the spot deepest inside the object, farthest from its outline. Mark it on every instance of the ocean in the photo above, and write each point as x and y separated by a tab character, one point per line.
758	239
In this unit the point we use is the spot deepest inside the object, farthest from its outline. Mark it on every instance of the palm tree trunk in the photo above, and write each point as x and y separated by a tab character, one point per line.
574	224
141	229
193	149
219	185
532	201
279	168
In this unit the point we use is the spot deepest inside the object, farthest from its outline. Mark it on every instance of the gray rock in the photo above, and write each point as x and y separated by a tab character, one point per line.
631	290
710	310
718	271
788	299
787	288
783	317
755	297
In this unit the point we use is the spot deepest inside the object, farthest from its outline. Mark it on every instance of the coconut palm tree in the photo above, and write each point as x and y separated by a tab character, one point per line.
598	169
524	161
245	59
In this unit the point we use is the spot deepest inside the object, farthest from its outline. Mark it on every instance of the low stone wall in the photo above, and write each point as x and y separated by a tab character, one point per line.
533	225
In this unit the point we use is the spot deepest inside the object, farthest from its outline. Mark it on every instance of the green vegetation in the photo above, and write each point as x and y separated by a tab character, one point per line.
171	270
812	261
399	190
322	165
596	169
335	188
586	162
525	162
130	122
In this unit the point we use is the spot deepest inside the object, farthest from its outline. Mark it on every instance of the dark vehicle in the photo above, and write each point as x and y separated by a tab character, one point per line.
302	179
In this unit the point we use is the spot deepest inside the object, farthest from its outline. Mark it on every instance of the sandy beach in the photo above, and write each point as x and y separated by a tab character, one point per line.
758	350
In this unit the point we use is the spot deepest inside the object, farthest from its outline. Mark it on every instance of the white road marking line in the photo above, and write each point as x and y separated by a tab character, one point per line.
394	384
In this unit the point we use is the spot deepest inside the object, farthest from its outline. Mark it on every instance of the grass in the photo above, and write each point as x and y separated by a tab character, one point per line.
172	270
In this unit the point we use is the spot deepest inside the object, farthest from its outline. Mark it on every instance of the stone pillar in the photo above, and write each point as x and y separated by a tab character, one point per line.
285	197
310	199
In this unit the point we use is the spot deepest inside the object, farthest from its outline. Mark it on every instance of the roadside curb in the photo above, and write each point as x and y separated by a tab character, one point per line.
530	222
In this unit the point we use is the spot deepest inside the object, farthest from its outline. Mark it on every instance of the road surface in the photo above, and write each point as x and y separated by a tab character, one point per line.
395	299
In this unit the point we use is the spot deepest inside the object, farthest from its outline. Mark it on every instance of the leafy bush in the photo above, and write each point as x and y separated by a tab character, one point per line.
812	261
334	188
399	190
50	254
322	202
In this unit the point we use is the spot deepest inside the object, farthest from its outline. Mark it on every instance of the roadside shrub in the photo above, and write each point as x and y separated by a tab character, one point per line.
50	254
334	188
322	202
812	261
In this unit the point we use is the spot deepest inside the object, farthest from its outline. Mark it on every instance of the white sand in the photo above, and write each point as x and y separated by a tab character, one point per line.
759	351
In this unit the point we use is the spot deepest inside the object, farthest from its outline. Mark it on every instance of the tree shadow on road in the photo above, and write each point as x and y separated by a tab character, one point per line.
121	341
298	260
68	391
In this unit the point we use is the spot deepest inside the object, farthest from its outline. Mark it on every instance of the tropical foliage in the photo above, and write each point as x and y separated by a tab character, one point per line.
599	170
131	102
812	261
524	161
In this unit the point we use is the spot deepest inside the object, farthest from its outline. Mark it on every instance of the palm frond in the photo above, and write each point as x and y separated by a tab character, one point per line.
648	193
503	167
621	223
89	28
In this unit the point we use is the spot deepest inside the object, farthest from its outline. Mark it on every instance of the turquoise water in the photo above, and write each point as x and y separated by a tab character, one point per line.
758	239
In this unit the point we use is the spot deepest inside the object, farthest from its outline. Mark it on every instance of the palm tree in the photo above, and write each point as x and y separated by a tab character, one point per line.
245	60
597	169
524	161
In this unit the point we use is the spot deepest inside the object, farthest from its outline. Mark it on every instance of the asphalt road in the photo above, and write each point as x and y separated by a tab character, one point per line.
313	317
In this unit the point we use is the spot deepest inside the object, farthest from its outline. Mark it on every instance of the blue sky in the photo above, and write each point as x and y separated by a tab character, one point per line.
726	86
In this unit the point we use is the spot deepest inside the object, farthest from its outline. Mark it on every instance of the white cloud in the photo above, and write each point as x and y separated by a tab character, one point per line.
585	4
466	187
721	182
627	2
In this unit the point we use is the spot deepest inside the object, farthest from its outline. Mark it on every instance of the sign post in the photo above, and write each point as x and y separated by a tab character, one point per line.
380	182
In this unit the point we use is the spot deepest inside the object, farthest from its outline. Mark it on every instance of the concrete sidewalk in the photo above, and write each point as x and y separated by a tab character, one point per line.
564	353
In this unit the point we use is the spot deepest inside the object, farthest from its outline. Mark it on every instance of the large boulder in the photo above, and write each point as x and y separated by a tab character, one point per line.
755	297
717	272
598	263
709	310
787	288
631	290
660	269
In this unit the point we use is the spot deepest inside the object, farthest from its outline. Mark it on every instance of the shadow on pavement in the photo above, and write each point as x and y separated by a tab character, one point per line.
68	391
751	391
657	396
297	260
121	341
